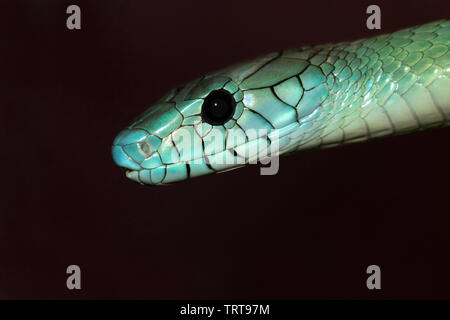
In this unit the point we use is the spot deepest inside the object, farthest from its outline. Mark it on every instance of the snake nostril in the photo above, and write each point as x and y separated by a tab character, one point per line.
146	147
132	147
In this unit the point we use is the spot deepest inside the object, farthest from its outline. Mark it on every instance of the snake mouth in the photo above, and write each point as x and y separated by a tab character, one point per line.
197	166
170	173
144	176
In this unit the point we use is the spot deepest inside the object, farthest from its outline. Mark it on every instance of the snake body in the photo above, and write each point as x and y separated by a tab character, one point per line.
312	97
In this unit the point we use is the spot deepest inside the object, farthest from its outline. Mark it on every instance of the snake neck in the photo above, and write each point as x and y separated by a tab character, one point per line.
371	88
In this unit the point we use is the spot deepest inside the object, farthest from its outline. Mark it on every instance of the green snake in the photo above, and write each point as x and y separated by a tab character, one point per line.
313	97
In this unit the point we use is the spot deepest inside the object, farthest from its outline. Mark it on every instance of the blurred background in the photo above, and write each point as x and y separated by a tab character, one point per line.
308	232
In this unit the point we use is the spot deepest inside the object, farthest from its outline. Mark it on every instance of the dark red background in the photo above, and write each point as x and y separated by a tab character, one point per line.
308	232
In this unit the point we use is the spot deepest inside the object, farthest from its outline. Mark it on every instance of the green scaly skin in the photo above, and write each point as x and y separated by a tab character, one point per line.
312	97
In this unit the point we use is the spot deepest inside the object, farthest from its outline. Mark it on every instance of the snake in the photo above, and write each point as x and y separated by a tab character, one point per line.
312	97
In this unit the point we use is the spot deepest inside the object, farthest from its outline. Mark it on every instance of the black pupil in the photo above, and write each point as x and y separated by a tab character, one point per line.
218	107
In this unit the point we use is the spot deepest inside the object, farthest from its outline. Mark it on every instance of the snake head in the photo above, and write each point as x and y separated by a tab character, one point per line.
215	123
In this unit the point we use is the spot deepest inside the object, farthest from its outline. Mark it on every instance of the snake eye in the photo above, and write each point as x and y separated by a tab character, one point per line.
218	107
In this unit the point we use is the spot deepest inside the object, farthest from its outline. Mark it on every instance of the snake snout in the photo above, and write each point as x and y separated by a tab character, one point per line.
132	146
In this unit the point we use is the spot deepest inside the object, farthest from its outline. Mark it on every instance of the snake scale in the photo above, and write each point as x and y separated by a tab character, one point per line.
312	97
